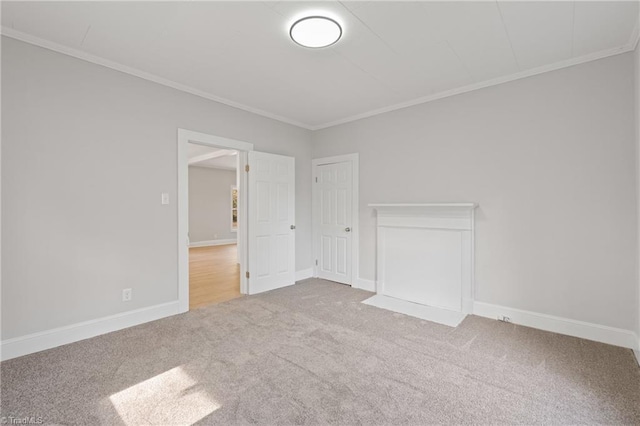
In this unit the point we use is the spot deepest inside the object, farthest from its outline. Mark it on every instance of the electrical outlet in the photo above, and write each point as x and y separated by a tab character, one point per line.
126	295
165	198
504	318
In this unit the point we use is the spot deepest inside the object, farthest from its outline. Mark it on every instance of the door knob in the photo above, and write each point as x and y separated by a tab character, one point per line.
347	229
293	227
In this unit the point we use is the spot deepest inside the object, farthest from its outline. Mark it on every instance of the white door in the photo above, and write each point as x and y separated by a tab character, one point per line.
271	202
334	194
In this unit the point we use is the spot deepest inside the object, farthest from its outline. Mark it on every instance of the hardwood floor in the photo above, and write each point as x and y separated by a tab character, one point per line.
214	275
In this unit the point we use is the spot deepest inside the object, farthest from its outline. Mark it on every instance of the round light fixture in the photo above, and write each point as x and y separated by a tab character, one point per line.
315	31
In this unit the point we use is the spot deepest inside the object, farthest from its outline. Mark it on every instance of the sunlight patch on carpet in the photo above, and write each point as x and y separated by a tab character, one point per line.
172	397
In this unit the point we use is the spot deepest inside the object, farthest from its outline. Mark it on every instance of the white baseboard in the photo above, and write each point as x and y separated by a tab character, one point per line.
637	354
209	243
304	274
363	284
584	330
36	342
417	310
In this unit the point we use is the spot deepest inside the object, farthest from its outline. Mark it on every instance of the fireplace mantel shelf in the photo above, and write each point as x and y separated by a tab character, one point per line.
446	205
425	207
426	215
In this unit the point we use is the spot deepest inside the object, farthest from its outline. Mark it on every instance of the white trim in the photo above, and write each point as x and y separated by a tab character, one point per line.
66	50
364	284
304	274
36	342
88	57
213	140
428	313
355	211
636	352
424	206
209	243
481	85
184	137
584	330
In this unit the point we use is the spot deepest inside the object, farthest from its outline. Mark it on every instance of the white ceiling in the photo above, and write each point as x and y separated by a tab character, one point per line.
215	158
392	53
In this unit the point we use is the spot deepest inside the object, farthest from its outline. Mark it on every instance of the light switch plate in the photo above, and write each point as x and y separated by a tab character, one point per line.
165	198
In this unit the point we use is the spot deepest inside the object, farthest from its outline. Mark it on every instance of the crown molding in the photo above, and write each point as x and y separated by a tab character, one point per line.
487	83
79	54
37	41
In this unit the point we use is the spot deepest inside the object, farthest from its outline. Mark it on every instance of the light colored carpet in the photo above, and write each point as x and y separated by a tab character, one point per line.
313	354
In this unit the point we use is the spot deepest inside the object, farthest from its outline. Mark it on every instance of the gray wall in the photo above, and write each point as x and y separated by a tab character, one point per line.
86	153
637	118
210	204
551	161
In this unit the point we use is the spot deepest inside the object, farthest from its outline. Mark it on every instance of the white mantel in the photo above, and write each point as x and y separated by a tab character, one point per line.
425	260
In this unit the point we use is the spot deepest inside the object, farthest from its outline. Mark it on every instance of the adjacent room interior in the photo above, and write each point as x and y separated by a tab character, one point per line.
214	263
290	212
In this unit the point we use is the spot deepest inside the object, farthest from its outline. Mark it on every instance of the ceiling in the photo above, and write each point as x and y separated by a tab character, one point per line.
214	158
392	54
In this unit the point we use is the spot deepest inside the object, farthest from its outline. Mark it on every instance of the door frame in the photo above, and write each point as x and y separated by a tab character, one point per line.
184	138
354	159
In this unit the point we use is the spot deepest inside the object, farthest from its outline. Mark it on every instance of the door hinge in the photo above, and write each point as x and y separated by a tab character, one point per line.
316	262
246	168
316	180
247	274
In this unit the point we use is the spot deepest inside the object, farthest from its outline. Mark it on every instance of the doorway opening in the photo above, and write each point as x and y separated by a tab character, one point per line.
265	214
214	264
194	149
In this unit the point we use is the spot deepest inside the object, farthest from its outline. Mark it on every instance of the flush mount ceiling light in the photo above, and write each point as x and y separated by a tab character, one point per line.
315	31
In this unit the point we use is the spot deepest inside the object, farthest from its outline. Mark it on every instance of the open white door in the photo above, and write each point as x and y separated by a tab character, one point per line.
334	204
271	204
